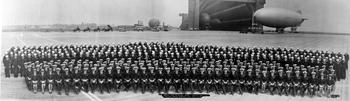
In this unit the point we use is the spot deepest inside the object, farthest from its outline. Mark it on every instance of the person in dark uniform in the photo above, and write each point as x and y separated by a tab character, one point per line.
127	77
331	78
7	64
185	78
67	80
109	79
93	76
76	79
177	78
58	80
194	79
321	81
152	79
249	80
167	78
85	79
295	87
225	80
272	85
159	77
29	75
35	81
118	77
16	65
143	78
42	81
201	81
312	89
101	79
50	81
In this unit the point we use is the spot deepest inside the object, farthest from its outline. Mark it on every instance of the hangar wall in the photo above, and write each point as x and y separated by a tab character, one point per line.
220	14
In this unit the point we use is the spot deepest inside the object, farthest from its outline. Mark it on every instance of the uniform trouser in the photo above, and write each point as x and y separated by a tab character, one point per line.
186	87
94	85
101	86
58	87
16	71
338	72
250	88
201	86
160	85
343	74
207	87
85	86
294	90
144	86
135	85
225	88
243	86
42	86
167	87
109	86
67	87
127	85
287	90
10	68
77	86
28	82
7	71
303	90
22	70
176	84
50	87
247	87
263	87
240	88
321	90
329	89
35	87
193	86
272	89
256	88
117	84
233	87
152	86
168	84
279	89
217	87
312	90
284	90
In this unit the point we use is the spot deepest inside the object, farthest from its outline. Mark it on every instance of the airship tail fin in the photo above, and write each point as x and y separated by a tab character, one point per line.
299	11
303	19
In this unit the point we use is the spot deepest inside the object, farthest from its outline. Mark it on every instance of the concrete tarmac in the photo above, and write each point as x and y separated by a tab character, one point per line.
15	89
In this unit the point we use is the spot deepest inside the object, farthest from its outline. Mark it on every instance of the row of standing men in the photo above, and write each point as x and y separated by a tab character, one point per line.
319	66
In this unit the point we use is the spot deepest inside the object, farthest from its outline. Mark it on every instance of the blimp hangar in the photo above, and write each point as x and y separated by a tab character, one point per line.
220	14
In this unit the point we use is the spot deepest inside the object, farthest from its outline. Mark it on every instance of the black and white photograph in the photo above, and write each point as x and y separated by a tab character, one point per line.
174	50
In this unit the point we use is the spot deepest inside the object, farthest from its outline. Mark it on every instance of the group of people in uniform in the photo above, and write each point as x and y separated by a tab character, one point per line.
163	67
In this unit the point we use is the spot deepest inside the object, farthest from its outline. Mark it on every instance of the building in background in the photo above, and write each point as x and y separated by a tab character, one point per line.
220	14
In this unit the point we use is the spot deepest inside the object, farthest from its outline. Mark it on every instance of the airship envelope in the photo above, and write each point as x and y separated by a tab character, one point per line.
278	17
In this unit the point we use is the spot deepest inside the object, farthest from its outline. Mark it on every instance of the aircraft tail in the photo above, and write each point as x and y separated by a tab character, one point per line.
303	19
299	11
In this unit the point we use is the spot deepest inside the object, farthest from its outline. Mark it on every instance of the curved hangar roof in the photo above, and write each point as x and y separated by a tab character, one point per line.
221	14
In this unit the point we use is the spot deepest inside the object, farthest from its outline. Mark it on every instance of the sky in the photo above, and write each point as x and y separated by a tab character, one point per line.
323	15
92	11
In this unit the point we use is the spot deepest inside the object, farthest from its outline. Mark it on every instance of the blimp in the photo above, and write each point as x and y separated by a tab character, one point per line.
278	18
153	23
